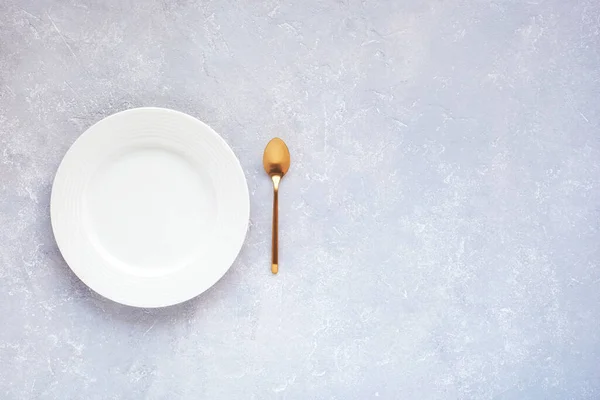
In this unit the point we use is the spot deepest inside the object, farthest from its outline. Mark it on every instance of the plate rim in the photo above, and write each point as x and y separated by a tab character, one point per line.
205	129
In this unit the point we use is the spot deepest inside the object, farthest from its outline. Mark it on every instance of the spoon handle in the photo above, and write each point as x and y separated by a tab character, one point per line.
275	240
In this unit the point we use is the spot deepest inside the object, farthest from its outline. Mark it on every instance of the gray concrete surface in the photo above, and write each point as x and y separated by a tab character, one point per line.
440	222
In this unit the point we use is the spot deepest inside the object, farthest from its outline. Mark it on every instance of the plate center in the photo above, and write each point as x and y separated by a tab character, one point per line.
151	209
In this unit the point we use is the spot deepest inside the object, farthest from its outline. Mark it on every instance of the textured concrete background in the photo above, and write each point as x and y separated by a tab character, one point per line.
440	222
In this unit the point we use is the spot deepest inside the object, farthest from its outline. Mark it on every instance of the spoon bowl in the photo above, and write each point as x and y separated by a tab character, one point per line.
276	159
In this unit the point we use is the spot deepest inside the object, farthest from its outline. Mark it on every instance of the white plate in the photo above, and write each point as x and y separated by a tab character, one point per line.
150	207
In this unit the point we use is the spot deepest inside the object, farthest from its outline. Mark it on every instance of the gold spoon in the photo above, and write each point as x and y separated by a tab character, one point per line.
276	161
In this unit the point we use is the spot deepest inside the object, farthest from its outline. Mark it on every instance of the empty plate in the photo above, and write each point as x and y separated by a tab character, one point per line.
150	207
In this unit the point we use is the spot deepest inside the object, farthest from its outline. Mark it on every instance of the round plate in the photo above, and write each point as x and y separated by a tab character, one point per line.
150	207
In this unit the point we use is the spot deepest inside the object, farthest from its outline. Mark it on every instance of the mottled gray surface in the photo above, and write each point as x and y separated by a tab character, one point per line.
440	223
